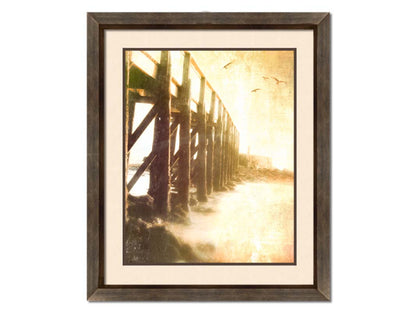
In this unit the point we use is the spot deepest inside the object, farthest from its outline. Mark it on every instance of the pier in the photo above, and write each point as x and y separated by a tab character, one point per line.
208	153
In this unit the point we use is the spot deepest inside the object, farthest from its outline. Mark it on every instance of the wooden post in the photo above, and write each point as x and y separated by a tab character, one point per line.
184	162
235	151
232	151
228	148
223	149
194	135
230	128
210	145
238	151
127	125
173	134
226	145
201	164
218	149
160	168
129	107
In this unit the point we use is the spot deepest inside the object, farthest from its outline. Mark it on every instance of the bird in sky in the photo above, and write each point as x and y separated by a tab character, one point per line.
278	81
255	90
228	64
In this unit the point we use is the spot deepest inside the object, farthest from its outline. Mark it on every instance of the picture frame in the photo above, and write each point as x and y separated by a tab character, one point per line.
97	25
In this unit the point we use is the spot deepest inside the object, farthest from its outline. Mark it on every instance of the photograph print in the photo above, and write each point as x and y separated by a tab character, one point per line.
209	157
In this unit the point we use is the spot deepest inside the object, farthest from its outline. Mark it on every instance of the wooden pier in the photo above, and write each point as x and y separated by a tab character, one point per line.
208	151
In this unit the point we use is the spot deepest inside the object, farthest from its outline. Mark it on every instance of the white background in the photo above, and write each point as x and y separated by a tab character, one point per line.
43	153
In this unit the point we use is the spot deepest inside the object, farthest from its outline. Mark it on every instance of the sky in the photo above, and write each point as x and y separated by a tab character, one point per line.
265	118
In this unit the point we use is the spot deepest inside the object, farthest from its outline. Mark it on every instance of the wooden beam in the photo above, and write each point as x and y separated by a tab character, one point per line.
218	150
201	164
127	125
174	159
138	79
173	134
184	165
232	152
174	126
143	125
135	97
147	162
194	149
160	169
210	144
228	157
235	151
232	148
194	132
224	150
238	152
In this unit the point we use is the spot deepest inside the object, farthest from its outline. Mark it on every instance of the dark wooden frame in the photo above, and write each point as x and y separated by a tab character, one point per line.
97	24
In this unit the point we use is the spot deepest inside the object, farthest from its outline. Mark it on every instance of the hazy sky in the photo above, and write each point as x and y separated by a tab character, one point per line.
264	118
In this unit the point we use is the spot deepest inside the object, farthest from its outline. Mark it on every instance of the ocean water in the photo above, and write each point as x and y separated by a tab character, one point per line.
254	223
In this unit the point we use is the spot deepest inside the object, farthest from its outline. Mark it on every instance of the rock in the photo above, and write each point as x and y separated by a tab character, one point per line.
163	246
148	243
136	238
188	254
140	207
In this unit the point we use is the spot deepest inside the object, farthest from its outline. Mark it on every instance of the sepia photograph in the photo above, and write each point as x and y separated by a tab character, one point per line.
209	157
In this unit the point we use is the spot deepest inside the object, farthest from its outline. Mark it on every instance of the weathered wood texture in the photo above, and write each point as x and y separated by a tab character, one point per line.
95	157
160	168
322	157
184	167
225	124
128	125
209	20
210	144
237	152
232	148
173	134
130	107
207	293
224	152
201	164
218	150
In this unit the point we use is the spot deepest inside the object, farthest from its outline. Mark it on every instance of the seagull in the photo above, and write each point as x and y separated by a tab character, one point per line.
228	64
278	81
255	90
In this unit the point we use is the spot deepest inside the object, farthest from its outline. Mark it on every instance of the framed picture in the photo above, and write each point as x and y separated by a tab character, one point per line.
208	156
